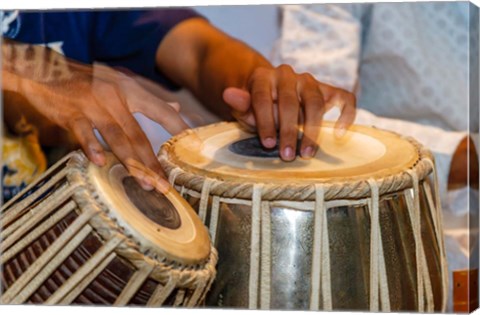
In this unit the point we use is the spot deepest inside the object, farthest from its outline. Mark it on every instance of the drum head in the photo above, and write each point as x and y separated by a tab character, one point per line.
165	225
226	151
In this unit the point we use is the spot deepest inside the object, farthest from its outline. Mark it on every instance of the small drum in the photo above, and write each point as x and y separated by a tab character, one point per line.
82	234
358	227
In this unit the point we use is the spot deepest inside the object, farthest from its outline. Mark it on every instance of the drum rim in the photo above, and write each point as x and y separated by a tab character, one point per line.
337	188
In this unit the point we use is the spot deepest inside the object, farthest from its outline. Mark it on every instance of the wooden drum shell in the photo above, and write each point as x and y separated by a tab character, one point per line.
60	246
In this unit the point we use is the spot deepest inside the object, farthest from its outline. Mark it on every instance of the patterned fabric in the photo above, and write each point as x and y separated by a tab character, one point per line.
410	59
22	162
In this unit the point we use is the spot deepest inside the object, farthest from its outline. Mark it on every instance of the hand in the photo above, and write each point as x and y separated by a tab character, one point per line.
279	98
81	98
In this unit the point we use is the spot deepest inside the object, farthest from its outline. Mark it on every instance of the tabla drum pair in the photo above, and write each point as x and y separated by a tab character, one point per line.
83	234
358	227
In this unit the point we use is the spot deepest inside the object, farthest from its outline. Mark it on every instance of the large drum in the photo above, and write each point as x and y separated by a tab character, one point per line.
82	234
358	227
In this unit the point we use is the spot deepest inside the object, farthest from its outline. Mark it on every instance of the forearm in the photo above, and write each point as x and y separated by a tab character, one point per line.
209	62
229	63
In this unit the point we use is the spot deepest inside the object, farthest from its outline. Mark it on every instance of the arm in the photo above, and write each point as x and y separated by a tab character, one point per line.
227	75
80	98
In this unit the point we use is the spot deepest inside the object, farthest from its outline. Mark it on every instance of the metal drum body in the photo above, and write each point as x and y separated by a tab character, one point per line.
314	247
64	242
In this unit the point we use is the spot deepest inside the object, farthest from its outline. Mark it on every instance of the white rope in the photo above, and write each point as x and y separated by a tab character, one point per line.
265	283
325	255
179	298
44	266
47	256
135	282
378	274
182	192
197	294
299	205
173	176
255	247
427	286
83	284
87	268
30	198
374	250
317	249
161	293
321	255
28	221
214	218
36	233
438	221
17	209
202	210
413	204
438	236
383	281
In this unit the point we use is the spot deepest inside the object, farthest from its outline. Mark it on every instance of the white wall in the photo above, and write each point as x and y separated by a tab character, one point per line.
257	25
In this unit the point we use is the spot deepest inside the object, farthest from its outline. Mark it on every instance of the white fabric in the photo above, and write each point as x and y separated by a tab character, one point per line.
411	59
408	64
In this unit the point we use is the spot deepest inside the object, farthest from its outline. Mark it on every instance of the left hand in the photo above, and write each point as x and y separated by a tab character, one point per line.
280	99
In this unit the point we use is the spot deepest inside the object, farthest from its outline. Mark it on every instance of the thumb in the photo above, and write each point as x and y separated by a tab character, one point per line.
237	99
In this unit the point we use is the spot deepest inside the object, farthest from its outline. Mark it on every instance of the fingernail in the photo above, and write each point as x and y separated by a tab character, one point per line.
99	158
288	153
340	132
307	152
269	142
146	185
175	105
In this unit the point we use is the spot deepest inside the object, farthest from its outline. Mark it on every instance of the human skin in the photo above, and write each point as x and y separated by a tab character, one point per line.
226	75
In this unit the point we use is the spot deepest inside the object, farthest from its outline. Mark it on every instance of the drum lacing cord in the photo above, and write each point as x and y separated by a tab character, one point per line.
255	247
202	209
162	292
438	225
423	277
321	255
206	186
37	273
378	273
173	175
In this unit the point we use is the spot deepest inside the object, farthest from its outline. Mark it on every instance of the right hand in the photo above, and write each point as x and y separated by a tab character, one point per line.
81	98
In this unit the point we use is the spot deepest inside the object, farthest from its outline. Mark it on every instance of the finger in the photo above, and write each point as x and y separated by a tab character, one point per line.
239	102
115	137
175	106
237	99
262	105
140	142
347	104
135	135
139	170
314	109
163	113
82	130
288	109
138	99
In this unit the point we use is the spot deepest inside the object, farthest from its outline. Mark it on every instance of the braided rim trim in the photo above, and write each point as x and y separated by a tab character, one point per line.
132	249
334	189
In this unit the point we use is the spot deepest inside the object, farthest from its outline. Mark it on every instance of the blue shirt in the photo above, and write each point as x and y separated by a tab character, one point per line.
126	38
